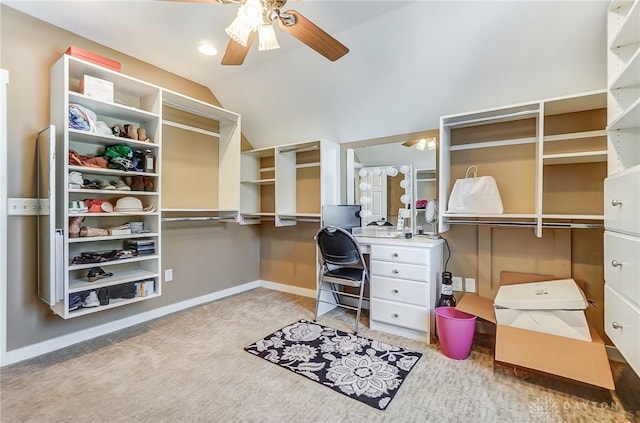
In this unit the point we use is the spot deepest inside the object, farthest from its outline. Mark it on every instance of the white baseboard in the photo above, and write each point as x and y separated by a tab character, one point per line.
303	292
54	344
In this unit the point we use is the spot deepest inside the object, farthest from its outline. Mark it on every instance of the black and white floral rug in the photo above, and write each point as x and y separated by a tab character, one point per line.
361	368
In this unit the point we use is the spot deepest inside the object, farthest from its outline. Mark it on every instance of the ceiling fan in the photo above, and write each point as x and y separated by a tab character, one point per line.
257	17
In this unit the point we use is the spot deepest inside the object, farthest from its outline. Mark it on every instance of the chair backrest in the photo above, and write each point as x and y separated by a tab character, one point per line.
338	247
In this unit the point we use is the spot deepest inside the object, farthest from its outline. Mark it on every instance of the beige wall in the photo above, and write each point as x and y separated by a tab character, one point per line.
205	257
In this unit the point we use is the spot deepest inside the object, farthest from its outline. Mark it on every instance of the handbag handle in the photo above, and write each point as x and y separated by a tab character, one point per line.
473	169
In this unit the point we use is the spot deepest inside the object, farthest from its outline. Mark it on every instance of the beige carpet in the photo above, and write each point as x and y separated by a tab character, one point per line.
191	367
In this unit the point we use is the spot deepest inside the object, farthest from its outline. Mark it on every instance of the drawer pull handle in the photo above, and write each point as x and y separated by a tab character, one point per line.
394	255
396	315
615	203
616	325
395	291
395	271
616	263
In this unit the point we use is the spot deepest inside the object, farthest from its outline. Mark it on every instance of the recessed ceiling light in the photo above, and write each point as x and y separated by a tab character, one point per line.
207	49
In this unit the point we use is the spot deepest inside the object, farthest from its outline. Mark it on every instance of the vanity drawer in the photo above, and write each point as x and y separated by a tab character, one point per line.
622	325
404	315
399	270
409	292
400	254
622	264
622	202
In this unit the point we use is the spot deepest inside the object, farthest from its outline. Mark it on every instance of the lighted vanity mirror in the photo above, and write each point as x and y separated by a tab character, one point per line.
398	182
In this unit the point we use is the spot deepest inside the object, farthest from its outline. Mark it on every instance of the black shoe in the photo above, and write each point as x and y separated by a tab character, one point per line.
129	291
96	273
103	296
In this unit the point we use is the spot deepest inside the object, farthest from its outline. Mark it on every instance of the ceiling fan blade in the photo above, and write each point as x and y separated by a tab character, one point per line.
236	52
310	34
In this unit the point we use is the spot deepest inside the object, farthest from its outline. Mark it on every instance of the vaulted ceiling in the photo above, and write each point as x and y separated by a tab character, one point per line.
409	62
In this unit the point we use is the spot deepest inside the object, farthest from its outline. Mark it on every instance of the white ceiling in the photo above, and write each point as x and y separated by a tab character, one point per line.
409	61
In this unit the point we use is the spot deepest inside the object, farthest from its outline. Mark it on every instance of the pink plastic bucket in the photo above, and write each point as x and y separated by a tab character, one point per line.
455	331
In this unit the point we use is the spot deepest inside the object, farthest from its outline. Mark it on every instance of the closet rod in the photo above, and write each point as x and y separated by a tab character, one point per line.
298	148
491	118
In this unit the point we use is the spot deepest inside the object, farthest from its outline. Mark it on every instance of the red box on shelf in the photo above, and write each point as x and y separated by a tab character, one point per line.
93	58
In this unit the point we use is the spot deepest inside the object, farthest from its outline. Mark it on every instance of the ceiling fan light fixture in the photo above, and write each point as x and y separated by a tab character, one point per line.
267	38
249	18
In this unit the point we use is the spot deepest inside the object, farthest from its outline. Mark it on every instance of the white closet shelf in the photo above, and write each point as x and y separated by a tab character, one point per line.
573	216
491	117
492	215
105	171
630	28
628	76
490	144
111	192
197	210
575	136
112	262
574	158
112	237
197	107
261	181
98	139
105	214
190	128
301	147
119	277
113	110
258	214
305	165
261	152
117	302
267	169
629	118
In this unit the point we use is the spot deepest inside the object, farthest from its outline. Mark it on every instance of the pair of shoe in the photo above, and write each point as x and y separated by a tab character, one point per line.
75	180
96	273
75	226
78	206
75	302
142	183
126	290
103	296
91	300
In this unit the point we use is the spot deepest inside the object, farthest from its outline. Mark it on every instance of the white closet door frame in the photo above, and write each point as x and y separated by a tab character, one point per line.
4	82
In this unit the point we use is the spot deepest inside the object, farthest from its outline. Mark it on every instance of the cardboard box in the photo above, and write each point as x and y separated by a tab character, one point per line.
584	361
554	307
97	88
93	58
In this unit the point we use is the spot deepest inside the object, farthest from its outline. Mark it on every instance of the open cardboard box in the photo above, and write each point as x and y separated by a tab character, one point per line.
584	361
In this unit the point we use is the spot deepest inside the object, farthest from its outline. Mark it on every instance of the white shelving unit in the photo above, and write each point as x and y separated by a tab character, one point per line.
62	274
288	183
544	146
622	186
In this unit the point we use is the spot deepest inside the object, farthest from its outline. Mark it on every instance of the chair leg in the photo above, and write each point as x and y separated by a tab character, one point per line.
318	292
359	305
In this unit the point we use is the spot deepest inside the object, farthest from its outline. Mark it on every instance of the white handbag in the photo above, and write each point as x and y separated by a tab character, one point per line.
475	194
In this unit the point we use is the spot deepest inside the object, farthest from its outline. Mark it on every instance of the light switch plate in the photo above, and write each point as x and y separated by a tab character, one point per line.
470	285
456	283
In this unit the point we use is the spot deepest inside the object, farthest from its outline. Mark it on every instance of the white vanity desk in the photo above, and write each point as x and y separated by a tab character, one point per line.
404	274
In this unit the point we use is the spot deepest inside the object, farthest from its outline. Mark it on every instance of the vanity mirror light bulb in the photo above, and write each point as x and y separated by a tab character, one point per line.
392	171
363	173
405	184
364	186
377	171
404	198
365	213
404	169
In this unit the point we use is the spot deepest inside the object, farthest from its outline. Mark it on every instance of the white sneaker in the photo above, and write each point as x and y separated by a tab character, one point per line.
91	300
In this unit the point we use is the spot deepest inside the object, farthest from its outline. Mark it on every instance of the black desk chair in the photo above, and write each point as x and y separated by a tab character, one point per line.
342	263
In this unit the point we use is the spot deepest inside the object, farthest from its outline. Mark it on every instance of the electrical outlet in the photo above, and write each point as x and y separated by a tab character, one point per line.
456	283
168	275
469	285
